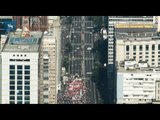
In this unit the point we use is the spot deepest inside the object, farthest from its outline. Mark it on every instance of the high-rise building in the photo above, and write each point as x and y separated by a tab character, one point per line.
50	62
47	80
111	50
138	42
20	56
137	85
34	23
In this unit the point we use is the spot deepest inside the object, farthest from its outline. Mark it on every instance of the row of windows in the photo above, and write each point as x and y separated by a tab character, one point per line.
20	93
19	87
19	97
141	47
19	102
20	77
19	67
19	82
134	53
19	72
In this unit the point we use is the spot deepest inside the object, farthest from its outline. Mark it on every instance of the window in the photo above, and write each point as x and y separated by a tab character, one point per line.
147	47
45	96
12	92
27	92
19	72
19	93
21	55
45	89
27	72
27	87
153	63
12	82
13	55
19	66
19	82
19	87
12	87
47	66
27	67
140	53
134	47
127	48
24	55
134	57
127	57
153	59
140	48
158	46
12	77
27	82
134	53
19	97
146	56
12	66
27	77
153	47
27	98
153	52
19	102
27	102
12	72
19	77
140	56
11	102
153	56
17	55
45	60
12	97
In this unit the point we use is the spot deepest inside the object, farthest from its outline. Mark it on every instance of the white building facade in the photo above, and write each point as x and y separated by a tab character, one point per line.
20	57
19	79
141	49
136	87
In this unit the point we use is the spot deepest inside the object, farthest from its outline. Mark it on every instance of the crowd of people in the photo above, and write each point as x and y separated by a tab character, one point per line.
74	92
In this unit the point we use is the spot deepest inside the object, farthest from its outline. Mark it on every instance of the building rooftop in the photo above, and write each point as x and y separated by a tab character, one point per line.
142	70
137	38
135	29
16	43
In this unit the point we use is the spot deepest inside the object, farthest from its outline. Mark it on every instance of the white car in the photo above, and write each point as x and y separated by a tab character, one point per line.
104	34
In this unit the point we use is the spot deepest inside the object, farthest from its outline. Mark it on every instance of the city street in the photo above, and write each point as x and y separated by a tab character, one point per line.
81	58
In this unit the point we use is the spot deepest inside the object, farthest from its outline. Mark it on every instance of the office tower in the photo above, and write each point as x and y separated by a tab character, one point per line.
50	62
137	85
138	42
47	81
111	50
20	56
35	23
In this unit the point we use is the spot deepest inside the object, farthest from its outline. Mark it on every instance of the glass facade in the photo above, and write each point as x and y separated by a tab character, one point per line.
19	84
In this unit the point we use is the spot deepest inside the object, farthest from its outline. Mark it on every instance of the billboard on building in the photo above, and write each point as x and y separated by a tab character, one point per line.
7	26
124	25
